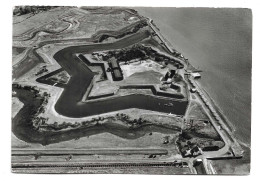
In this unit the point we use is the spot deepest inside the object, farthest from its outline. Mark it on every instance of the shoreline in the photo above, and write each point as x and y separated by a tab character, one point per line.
168	46
213	102
232	149
218	115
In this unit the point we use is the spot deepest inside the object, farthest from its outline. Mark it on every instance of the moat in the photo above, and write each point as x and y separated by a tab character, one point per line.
119	89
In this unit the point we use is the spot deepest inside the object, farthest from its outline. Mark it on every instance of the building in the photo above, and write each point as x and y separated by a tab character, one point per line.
196	75
117	74
114	63
132	18
167	75
115	69
196	151
193	90
179	65
172	72
174	86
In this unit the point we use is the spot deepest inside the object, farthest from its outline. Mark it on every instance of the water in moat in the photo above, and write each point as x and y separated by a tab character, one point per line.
70	104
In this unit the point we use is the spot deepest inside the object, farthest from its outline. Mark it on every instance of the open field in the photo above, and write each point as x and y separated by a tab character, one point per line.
29	24
196	112
16	106
67	22
17	50
142	66
148	77
61	77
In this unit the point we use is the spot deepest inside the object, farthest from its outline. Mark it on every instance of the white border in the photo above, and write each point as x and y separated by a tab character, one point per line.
6	43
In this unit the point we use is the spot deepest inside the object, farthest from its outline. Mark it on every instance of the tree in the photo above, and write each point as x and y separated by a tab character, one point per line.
55	124
140	120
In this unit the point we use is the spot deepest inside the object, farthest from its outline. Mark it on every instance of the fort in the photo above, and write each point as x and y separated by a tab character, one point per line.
115	94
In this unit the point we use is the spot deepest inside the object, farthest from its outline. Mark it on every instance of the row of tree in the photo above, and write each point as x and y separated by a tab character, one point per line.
124	32
65	125
141	52
132	122
21	10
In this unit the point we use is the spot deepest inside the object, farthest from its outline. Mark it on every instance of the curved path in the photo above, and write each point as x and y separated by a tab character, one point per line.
69	103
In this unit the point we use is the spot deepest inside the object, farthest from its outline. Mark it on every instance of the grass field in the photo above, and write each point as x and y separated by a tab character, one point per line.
196	111
36	20
148	77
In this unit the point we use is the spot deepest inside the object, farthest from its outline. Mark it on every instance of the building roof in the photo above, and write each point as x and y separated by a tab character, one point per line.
114	63
196	75
117	74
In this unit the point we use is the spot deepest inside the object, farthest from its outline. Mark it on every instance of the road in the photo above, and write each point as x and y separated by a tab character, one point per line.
212	114
66	55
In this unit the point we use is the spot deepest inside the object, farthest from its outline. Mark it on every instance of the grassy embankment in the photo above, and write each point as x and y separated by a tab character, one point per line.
29	127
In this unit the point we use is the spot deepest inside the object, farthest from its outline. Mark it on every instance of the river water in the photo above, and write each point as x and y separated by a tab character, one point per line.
218	42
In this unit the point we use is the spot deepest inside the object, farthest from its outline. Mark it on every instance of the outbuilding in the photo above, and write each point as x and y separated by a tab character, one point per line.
114	63
193	90
117	75
196	75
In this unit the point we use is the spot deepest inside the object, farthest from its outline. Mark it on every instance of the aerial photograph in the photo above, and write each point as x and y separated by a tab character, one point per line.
131	90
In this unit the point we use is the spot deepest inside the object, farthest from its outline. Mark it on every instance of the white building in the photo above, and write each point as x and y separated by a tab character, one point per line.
196	75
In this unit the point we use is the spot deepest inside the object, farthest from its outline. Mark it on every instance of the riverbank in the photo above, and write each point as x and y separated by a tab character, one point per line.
182	27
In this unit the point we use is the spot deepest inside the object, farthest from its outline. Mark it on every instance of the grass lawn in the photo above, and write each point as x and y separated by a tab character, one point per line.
148	77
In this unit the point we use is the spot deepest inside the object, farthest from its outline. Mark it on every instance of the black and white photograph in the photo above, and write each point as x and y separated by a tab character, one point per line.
131	90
